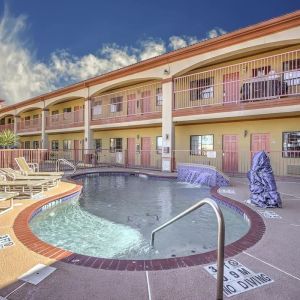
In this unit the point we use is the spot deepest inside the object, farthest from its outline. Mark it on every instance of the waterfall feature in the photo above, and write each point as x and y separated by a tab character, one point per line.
201	174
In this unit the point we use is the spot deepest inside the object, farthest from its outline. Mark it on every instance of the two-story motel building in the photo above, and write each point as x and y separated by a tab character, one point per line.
234	94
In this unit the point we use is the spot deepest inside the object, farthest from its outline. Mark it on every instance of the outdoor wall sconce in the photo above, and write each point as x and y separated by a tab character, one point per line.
138	137
85	139
167	136
167	71
245	133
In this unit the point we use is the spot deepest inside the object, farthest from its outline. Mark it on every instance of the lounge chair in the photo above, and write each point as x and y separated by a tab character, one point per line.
24	187
15	175
33	168
6	197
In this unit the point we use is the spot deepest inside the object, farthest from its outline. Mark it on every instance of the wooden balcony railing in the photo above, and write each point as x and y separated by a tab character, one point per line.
65	120
29	125
263	79
139	103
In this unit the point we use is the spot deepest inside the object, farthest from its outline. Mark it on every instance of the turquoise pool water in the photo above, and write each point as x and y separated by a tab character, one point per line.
115	215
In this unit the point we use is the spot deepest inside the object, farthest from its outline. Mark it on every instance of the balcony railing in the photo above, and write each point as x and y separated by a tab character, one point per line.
65	120
29	125
138	103
7	127
262	79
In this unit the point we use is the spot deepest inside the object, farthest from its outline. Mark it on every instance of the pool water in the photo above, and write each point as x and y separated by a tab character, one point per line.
115	215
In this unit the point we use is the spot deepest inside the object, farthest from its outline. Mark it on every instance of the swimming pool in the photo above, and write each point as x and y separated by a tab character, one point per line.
115	215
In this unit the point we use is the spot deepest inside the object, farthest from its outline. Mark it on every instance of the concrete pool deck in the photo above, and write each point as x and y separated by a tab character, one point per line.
276	255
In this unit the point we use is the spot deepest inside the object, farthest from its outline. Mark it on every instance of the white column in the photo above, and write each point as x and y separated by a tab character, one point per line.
167	125
16	120
44	137
87	121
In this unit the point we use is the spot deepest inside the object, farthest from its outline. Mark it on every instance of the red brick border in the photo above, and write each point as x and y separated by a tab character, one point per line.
25	235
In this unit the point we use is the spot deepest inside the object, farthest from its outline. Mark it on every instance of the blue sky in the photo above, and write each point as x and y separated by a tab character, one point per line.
55	43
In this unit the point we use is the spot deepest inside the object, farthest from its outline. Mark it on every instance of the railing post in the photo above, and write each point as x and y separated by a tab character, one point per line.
221	237
167	125
44	140
87	130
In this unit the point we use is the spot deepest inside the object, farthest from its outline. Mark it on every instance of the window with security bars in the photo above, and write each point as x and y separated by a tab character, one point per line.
202	88
27	145
98	145
116	104
291	144
159	97
200	144
115	145
54	145
35	144
291	71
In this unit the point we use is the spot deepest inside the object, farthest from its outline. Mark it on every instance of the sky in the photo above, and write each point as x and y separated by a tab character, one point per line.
45	45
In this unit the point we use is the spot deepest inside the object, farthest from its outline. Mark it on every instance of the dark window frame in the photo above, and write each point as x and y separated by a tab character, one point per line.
201	152
117	145
116	102
290	153
201	89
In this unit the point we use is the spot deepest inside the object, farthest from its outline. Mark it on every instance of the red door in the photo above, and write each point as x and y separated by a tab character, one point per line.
260	142
131	104
131	151
231	88
230	153
146	102
145	151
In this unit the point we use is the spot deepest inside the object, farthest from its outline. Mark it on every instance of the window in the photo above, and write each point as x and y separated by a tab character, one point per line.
67	109
97	108
159	143
202	88
159	98
98	144
291	70
115	145
54	145
291	144
54	112
262	71
35	144
27	145
67	144
199	144
54	115
116	104
35	119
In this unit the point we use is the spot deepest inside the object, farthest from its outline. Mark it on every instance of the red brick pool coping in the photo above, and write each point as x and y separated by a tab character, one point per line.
31	241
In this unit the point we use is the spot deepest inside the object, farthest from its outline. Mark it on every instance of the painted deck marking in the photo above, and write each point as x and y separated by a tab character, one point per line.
5	241
270	265
148	285
14	290
238	278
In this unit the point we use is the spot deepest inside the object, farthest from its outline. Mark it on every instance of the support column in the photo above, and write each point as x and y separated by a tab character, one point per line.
16	120
44	137
87	129
167	125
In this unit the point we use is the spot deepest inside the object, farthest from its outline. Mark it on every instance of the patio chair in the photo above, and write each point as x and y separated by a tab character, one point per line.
15	175
33	168
23	187
6	197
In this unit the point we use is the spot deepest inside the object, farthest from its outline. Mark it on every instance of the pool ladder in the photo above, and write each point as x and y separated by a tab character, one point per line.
66	162
221	237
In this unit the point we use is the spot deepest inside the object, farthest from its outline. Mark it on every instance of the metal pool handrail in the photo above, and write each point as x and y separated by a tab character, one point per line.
221	237
65	161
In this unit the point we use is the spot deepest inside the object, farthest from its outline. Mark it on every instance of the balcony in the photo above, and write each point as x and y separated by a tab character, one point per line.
268	81
32	125
140	103
65	120
7	127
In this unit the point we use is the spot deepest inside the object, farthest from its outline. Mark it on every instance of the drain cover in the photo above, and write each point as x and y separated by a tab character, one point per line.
36	274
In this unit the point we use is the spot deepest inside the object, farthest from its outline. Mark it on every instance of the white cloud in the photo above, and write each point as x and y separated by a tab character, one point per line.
23	76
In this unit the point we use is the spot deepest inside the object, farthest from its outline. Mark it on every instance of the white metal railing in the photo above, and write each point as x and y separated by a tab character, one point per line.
7	127
67	119
34	124
221	237
66	162
264	78
128	103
